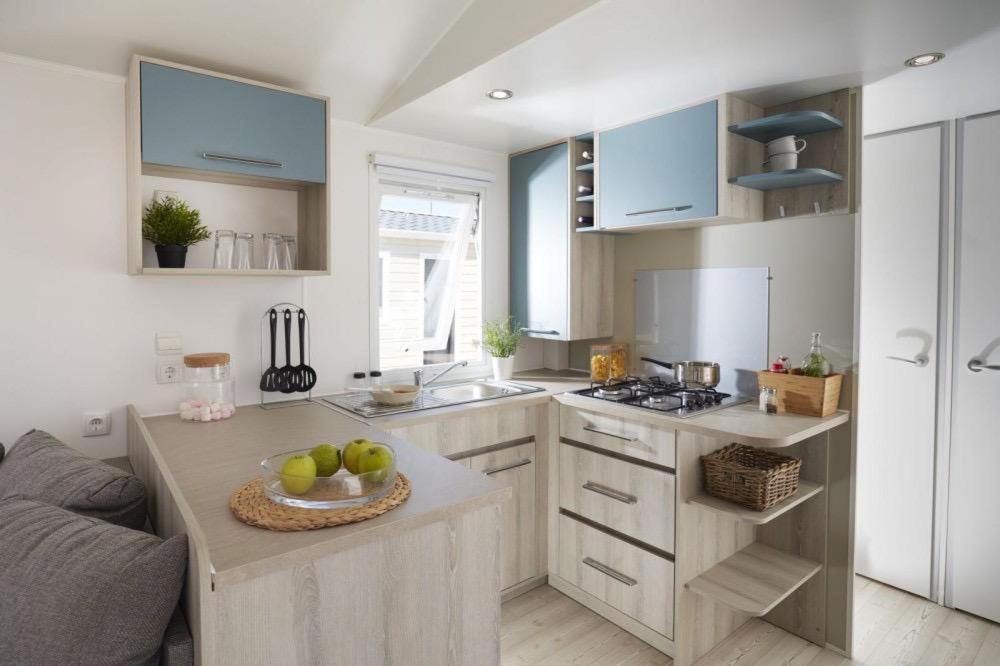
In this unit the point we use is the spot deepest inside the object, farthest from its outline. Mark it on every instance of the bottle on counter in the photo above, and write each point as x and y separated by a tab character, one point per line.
768	400
375	378
814	364
360	380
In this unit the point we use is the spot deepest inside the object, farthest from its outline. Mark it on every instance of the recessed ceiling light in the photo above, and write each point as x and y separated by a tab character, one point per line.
923	59
499	93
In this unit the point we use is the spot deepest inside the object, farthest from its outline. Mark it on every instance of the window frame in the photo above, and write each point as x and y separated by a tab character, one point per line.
476	369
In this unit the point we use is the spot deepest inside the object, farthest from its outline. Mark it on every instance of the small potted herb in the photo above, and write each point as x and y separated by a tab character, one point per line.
171	226
501	338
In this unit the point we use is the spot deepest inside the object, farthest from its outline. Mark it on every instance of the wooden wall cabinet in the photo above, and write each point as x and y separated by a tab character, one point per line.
192	124
561	280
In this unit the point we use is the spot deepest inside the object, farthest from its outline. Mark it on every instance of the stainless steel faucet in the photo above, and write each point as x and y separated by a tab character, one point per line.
418	375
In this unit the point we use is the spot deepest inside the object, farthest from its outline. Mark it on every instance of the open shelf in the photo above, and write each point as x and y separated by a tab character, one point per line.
783	124
585	199
754	580
254	272
806	490
777	180
589	166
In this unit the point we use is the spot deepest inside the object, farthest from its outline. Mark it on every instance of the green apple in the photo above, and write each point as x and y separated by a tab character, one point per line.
375	461
298	475
327	457
352	450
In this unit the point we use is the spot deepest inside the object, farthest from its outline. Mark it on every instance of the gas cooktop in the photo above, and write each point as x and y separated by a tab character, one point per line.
654	393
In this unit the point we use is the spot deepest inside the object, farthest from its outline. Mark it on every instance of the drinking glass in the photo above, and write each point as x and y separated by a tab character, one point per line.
272	250
225	241
243	260
288	258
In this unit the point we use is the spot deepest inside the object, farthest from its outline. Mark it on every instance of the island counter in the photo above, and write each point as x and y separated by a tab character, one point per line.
419	584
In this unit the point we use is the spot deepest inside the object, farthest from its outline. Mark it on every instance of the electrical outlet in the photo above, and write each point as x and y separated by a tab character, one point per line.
95	424
168	370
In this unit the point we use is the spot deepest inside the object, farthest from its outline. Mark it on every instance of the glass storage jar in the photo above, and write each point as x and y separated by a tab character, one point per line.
608	363
209	388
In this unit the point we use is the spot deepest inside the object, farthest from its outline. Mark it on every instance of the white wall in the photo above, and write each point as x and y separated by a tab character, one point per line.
966	82
76	332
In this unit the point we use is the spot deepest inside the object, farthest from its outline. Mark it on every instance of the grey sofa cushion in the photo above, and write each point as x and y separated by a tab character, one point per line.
178	646
78	590
42	467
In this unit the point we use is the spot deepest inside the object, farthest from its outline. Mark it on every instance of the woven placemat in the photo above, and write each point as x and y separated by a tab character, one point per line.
251	505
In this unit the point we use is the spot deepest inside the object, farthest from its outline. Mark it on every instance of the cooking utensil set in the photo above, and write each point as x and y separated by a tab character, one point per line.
289	378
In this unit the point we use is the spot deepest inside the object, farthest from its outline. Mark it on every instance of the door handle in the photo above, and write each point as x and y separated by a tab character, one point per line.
504	468
668	209
610	434
977	365
919	360
624	498
539	331
608	571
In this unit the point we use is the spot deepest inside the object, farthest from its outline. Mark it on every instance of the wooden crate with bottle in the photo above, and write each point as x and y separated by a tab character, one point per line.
799	393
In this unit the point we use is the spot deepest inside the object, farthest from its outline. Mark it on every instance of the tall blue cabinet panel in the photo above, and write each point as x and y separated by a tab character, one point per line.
197	121
664	169
539	238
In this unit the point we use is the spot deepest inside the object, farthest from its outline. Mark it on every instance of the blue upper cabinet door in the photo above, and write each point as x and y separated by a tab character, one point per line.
539	241
198	121
664	169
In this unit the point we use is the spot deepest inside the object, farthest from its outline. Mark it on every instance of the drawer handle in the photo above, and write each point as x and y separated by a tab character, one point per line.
504	468
624	498
540	331
668	209
243	160
608	571
625	438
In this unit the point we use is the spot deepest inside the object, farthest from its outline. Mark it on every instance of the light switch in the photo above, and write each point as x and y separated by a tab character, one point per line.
169	344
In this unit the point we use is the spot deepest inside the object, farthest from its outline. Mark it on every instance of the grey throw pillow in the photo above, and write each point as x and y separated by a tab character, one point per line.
78	590
42	467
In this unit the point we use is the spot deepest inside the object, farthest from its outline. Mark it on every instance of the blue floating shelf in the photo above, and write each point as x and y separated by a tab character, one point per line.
596	230
587	199
586	167
783	124
778	180
587	136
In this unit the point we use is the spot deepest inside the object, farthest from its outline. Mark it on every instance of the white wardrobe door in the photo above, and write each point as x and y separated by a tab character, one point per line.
900	231
973	569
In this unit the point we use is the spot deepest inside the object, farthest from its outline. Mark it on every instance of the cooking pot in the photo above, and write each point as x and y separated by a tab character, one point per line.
695	373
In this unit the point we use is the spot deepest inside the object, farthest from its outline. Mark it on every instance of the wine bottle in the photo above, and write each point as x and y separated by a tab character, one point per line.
584	221
814	364
584	189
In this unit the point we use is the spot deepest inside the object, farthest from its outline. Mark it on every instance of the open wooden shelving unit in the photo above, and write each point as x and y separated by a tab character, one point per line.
806	490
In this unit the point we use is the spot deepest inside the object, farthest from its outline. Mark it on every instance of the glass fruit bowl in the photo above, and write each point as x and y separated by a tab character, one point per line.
343	489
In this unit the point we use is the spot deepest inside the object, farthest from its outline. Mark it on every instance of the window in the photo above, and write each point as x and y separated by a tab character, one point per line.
429	274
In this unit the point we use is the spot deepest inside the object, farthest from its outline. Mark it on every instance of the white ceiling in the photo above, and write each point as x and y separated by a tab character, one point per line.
609	63
625	59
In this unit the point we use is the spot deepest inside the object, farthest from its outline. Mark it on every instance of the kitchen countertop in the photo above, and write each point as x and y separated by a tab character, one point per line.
743	423
209	461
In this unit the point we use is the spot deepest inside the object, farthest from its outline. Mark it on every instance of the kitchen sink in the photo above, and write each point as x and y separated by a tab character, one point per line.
432	397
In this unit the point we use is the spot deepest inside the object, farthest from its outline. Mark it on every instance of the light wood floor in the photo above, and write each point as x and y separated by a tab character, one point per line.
544	626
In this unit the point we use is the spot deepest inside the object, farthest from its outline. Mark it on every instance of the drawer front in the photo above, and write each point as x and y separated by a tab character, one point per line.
618	435
664	169
630	498
454	435
186	115
518	540
636	582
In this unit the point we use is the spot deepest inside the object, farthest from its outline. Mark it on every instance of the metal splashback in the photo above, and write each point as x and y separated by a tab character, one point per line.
704	314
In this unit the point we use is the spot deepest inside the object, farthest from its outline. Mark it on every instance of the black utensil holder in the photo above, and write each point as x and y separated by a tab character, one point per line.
276	399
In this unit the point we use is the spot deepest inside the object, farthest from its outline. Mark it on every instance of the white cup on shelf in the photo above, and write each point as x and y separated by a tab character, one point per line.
786	144
781	162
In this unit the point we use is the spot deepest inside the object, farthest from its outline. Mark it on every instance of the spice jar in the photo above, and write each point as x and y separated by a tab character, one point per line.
209	388
768	400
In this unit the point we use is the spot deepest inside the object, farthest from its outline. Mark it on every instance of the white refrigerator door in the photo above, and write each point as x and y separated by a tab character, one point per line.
972	580
900	247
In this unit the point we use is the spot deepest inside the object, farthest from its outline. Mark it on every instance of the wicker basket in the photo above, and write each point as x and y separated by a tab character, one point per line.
755	478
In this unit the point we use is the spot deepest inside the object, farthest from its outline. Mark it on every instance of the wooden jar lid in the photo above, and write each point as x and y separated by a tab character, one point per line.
206	360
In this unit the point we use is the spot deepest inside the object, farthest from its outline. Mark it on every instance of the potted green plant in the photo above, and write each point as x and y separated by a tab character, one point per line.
501	338
171	226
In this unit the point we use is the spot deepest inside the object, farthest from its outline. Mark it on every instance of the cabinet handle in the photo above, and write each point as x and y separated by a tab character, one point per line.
243	160
668	209
539	331
608	571
624	498
624	438
504	468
